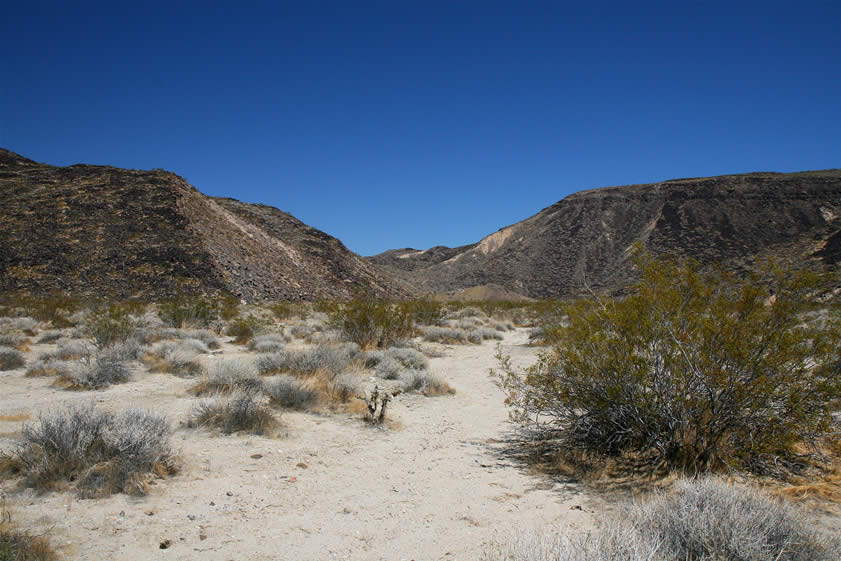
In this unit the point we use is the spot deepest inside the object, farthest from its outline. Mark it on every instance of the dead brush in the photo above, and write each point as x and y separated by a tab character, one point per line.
19	545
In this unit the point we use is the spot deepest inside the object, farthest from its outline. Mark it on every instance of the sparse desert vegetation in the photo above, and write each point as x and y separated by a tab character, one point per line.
296	382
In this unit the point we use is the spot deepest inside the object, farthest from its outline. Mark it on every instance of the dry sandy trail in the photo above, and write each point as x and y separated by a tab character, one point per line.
328	487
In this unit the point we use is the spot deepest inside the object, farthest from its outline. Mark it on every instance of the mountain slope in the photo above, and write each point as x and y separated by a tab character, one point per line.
100	230
583	240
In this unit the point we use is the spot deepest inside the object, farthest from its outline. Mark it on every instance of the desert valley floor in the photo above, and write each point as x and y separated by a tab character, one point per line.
435	484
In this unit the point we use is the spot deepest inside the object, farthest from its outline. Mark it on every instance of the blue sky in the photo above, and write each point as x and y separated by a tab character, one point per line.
416	123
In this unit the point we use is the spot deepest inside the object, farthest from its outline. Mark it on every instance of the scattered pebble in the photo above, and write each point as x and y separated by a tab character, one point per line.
301	465
230	493
165	544
191	516
256	456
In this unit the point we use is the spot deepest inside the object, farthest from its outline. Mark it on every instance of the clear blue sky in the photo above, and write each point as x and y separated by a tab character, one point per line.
416	123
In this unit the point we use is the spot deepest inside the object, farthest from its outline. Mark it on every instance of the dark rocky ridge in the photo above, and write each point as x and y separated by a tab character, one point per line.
583	240
104	231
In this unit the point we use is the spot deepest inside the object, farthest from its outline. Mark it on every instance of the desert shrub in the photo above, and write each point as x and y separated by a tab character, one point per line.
703	520
488	333
188	311
329	359
701	369
50	336
344	387
100	452
16	545
233	412
270	343
709	519
205	336
54	308
27	325
176	358
271	363
424	382
97	373
47	365
370	359
410	358
298	331
130	349
73	349
11	358
17	341
450	335
230	375
194	345
291	393
371	322
503	325
423	312
286	310
241	329
389	368
108	325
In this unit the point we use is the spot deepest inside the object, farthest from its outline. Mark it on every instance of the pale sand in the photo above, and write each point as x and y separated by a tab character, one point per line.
435	487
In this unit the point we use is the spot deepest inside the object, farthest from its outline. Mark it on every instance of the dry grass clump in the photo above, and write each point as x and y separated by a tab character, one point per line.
234	411
181	358
269	343
11	358
229	375
290	392
425	383
344	387
97	452
97	373
18	545
703	520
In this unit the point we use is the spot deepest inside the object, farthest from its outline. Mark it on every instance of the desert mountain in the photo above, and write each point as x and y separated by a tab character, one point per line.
583	240
100	230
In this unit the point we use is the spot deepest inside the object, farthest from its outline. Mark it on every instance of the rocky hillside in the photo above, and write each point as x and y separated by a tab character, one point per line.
105	231
583	240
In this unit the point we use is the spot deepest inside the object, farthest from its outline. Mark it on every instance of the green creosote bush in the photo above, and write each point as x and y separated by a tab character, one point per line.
703	520
188	311
372	322
702	370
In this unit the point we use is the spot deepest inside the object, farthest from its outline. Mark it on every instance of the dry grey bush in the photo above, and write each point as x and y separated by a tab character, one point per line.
102	452
15	340
344	387
410	358
47	365
230	375
330	359
291	393
231	412
489	333
181	359
424	382
269	343
73	349
97	373
11	358
50	336
703	520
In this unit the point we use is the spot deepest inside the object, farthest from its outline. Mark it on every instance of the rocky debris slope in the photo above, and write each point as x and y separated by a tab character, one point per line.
105	231
583	240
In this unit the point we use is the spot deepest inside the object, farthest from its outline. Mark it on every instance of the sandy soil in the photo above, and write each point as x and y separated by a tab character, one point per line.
435	486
